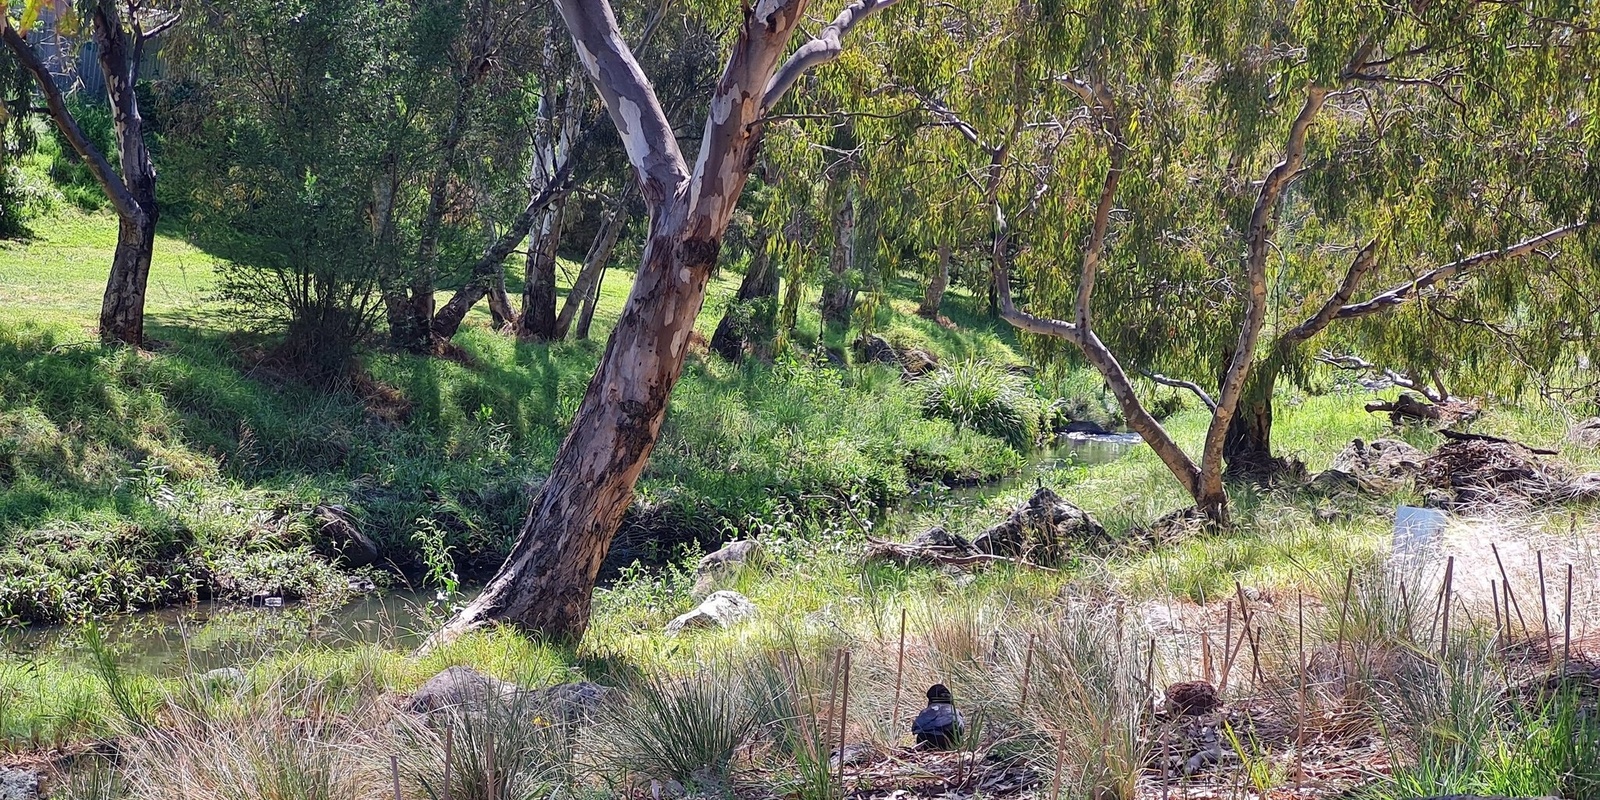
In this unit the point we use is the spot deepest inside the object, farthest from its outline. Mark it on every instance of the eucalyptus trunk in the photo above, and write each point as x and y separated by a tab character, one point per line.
538	319
838	291
546	583
751	318
933	297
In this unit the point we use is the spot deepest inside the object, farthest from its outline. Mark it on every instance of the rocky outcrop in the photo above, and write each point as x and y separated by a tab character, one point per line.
722	609
1044	530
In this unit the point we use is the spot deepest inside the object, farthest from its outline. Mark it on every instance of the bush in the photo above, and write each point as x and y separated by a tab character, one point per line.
684	730
982	397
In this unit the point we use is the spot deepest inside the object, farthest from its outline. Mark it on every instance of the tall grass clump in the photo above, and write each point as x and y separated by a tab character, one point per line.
509	748
683	729
980	396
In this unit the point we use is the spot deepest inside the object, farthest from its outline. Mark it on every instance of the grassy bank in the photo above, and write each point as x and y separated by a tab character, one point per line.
130	479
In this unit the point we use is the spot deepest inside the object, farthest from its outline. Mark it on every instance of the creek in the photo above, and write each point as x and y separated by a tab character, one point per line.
198	637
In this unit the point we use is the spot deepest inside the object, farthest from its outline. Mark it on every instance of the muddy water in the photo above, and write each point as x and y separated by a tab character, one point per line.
195	638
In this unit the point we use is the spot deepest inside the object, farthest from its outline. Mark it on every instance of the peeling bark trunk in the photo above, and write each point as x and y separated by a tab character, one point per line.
537	322
122	308
586	318
745	324
933	298
546	583
1247	448
501	312
547	580
838	291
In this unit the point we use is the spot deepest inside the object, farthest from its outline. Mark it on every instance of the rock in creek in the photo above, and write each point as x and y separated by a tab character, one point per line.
716	566
340	538
1043	530
19	784
722	609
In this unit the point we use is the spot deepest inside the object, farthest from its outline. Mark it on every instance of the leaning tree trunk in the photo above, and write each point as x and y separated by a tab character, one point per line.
587	284
586	317
501	312
748	321
933	298
546	583
538	320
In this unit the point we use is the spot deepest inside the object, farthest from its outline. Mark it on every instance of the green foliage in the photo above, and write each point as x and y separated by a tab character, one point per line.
979	396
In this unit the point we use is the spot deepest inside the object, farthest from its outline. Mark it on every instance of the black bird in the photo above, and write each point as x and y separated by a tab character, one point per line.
939	725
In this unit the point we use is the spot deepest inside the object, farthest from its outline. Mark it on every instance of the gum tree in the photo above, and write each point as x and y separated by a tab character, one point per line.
120	30
1198	197
547	581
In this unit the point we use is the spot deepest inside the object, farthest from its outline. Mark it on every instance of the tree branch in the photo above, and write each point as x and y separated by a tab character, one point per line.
1397	295
110	182
1359	267
823	48
634	108
1182	384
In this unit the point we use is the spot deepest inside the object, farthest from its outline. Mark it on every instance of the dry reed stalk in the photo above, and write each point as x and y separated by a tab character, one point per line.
1150	673
899	677
449	757
1300	727
1027	672
1566	624
1444	615
1205	656
1232	654
1544	609
489	770
1061	755
1511	598
394	773
1494	600
1344	612
844	719
1255	647
833	693
1405	604
1505	597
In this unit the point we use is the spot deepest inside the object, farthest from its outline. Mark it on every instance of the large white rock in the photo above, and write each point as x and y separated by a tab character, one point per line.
722	609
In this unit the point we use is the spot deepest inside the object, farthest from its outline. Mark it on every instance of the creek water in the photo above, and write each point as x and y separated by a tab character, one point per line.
203	636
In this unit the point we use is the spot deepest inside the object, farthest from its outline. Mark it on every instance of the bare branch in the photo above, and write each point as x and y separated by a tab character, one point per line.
1397	295
1100	99
1177	383
824	47
1365	259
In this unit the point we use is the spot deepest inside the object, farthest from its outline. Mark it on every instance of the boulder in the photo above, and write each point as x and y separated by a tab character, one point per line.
225	678
918	362
570	702
722	609
715	566
1084	427
340	538
464	688
460	687
1043	530
19	784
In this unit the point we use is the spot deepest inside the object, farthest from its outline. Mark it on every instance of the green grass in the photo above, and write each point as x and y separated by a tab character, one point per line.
114	463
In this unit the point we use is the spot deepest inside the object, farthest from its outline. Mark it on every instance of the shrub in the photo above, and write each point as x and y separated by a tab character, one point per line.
980	396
